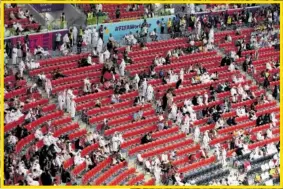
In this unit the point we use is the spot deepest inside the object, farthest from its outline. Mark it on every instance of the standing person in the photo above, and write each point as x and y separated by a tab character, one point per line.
14	55
75	35
122	67
118	12
58	41
22	67
101	32
73	108
48	87
79	45
95	37
162	26
61	100
99	45
62	19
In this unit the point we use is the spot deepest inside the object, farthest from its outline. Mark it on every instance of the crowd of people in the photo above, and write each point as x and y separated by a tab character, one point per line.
44	166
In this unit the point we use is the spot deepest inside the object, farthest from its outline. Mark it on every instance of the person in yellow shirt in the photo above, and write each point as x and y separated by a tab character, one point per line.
229	20
169	25
257	178
183	23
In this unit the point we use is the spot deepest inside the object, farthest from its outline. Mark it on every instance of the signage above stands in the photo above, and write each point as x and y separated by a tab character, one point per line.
48	7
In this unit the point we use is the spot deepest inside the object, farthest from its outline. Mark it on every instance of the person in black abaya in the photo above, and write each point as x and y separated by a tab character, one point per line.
275	92
65	176
179	82
225	61
245	66
46	178
164	102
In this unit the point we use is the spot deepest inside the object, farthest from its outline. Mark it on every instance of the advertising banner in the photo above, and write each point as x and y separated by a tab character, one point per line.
45	40
120	29
48	7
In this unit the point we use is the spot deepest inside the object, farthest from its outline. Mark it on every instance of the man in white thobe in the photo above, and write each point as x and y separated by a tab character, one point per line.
144	87
99	45
22	67
87	85
197	134
136	81
95	37
75	35
73	107
186	125
206	140
122	67
223	157
14	55
48	87
61	100
149	93
157	174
